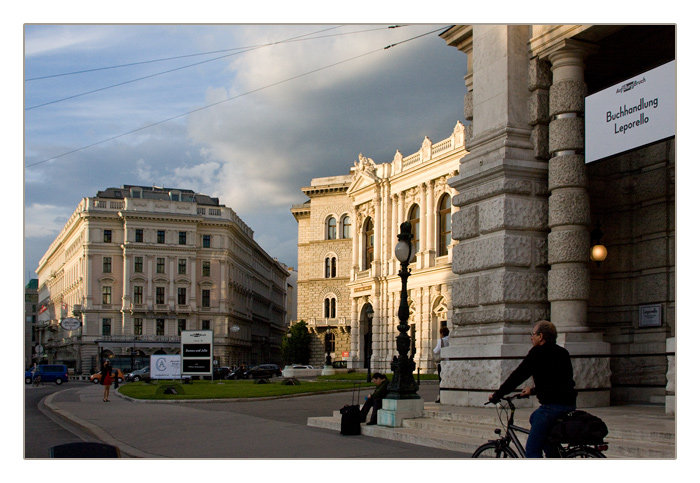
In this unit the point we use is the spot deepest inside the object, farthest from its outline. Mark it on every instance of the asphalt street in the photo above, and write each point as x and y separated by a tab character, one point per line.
253	429
42	430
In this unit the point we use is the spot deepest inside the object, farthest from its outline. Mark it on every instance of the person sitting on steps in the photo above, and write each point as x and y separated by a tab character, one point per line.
374	400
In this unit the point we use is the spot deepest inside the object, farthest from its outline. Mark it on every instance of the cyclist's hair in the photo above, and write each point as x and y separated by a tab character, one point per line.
547	329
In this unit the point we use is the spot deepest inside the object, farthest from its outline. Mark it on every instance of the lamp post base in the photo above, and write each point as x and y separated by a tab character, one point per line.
327	371
394	411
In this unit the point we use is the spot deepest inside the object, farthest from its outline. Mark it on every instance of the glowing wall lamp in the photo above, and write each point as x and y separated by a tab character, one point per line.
598	251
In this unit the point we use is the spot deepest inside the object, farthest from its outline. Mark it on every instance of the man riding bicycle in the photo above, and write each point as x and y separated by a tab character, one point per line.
550	367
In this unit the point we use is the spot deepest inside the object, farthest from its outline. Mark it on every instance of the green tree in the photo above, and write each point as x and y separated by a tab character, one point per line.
296	346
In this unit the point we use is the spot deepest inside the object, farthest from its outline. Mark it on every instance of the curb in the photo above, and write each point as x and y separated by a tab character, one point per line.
93	429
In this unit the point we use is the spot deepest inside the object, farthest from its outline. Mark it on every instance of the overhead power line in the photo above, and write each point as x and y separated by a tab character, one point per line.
184	56
112	138
242	50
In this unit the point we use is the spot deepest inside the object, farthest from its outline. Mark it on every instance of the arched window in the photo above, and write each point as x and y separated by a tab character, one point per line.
329	308
345	227
414	219
331	271
444	225
330	229
369	243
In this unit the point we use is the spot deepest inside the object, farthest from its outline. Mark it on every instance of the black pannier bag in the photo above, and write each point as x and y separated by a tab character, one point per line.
579	427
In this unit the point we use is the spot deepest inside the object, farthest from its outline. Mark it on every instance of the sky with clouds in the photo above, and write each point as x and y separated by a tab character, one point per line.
246	113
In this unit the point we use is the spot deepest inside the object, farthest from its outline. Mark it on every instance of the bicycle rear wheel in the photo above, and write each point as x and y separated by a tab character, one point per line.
583	452
494	450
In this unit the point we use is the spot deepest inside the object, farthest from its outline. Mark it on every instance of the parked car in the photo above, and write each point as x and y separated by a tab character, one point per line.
57	373
221	372
139	374
237	373
97	378
263	371
303	367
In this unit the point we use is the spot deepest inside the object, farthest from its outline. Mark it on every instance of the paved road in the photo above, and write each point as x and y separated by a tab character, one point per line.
273	428
42	430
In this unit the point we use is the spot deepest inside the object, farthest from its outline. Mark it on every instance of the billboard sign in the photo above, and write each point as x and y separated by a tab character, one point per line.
165	367
633	113
197	352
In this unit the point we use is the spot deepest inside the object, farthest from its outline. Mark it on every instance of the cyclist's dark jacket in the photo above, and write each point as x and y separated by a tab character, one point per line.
550	367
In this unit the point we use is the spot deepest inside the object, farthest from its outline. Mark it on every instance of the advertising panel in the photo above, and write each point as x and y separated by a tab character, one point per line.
638	111
197	352
165	367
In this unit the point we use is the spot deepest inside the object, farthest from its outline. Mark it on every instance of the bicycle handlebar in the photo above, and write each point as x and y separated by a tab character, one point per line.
507	398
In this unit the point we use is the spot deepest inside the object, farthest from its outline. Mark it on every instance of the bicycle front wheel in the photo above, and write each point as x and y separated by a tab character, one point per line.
583	452
494	450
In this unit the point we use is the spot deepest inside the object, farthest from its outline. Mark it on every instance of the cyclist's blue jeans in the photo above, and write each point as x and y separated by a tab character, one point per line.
541	422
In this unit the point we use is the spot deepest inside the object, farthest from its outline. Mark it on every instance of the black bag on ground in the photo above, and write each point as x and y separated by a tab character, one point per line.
579	427
350	415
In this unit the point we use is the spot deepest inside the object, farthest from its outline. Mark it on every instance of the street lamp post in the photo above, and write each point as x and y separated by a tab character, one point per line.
289	348
369	313
403	386
327	340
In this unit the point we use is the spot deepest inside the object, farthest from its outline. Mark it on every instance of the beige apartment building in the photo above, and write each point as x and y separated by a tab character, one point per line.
137	265
347	269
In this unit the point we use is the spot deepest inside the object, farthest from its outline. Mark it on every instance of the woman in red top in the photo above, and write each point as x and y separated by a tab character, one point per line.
106	379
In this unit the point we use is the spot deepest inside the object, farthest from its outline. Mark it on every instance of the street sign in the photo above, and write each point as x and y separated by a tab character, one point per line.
197	349
165	366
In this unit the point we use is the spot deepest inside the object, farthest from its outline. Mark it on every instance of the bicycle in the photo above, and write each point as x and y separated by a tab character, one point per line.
36	381
501	447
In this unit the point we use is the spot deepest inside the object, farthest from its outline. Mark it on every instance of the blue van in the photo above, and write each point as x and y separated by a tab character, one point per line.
57	373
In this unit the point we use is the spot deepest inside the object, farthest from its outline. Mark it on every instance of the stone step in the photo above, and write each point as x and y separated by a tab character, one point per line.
465	432
628	430
452	442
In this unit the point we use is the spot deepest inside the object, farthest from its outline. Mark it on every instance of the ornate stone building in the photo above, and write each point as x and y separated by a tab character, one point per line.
137	265
529	205
325	256
347	268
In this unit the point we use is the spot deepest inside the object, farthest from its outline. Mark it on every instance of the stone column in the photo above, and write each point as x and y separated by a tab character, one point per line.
569	208
422	255
355	361
378	232
569	220
378	334
430	222
126	283
671	377
393	270
387	245
357	234
501	224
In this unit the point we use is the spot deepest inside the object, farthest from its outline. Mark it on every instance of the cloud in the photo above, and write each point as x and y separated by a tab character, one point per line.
43	220
258	143
63	38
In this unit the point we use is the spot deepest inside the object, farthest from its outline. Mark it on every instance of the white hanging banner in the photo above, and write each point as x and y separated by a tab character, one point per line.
638	111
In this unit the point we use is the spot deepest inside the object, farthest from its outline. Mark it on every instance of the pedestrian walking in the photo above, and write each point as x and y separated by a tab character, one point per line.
443	341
